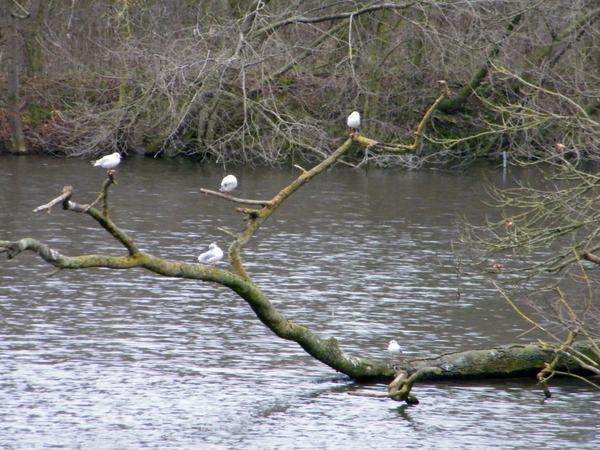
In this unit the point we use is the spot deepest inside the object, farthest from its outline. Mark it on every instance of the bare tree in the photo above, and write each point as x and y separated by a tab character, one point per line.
250	81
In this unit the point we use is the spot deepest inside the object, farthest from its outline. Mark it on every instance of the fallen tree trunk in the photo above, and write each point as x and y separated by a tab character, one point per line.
541	361
515	360
506	361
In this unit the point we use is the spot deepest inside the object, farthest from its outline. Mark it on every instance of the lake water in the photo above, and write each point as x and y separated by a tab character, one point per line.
104	359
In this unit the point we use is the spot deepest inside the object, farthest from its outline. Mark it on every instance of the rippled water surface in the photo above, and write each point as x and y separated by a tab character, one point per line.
104	359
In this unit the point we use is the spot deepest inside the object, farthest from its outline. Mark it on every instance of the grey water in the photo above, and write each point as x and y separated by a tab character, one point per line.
104	359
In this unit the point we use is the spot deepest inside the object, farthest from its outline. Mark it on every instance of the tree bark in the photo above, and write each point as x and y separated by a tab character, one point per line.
13	100
516	360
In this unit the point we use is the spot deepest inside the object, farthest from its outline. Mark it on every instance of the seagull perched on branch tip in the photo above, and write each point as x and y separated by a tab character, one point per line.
108	162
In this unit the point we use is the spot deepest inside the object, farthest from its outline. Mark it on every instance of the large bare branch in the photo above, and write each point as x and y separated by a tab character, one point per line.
325	350
238	280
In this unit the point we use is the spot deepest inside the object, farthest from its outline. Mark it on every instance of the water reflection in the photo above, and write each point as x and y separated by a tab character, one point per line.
104	359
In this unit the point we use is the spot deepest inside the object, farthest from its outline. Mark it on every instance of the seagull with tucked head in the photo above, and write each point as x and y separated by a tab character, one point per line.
212	256
109	162
228	184
354	122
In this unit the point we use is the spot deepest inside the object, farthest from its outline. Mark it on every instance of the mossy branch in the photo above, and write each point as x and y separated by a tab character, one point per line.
260	216
324	350
418	139
102	217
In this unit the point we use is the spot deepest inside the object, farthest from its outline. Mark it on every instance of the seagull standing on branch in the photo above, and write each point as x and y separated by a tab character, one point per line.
228	184
212	256
109	162
394	350
354	122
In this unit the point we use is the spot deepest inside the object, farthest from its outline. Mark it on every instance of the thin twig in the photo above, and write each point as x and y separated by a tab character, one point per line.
300	168
229	197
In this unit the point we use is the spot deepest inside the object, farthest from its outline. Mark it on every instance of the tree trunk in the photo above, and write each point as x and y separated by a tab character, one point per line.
506	361
17	143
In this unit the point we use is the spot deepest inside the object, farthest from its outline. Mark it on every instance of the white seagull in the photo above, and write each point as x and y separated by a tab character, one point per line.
213	255
354	121
394	350
109	162
228	184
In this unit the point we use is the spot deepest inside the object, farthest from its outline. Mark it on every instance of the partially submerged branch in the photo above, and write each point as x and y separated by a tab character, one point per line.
515	360
550	368
325	350
399	389
495	362
507	360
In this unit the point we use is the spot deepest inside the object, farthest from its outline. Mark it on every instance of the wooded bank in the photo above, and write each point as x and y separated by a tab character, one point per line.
263	82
